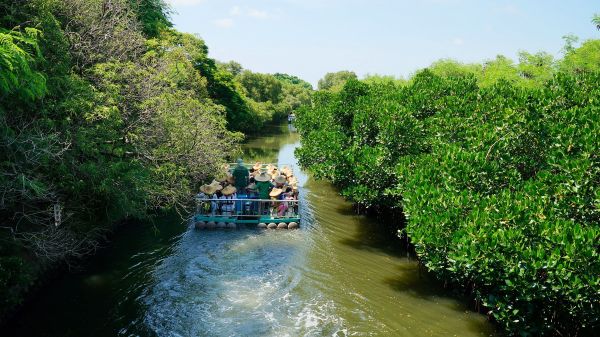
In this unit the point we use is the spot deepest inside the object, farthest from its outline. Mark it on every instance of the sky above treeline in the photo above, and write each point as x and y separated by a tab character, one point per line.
309	38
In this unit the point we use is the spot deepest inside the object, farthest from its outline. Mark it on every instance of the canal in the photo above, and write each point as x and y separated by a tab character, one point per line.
339	275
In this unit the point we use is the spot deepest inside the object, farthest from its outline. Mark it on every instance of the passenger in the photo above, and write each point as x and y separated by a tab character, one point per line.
217	185
251	193
280	181
277	207
286	171
222	177
215	204
257	166
226	200
202	199
263	187
290	204
240	176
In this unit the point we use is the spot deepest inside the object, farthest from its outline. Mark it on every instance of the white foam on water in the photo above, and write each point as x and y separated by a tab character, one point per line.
243	283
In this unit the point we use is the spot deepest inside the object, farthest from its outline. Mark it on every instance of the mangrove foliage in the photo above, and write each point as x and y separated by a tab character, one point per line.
496	167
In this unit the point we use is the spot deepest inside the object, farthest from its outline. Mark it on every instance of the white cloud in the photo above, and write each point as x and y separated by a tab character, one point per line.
457	41
185	2
258	14
224	23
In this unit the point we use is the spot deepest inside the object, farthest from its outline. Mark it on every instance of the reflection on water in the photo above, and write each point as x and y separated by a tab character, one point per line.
339	275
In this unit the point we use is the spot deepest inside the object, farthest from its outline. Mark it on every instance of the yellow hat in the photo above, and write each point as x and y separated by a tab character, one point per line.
208	189
275	192
216	185
263	176
229	190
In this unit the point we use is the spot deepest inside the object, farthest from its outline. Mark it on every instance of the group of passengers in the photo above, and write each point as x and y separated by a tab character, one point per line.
227	194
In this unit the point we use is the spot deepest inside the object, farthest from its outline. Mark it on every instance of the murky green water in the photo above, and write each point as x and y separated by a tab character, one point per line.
340	275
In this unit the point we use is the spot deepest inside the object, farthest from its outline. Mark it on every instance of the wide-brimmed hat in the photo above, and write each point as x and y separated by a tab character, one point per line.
257	166
270	167
275	192
287	171
216	185
292	180
230	179
229	190
263	176
280	179
208	189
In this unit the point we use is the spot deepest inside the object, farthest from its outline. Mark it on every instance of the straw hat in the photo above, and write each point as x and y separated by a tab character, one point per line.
287	171
208	189
274	173
280	179
216	185
271	167
263	176
292	180
275	192
257	166
229	190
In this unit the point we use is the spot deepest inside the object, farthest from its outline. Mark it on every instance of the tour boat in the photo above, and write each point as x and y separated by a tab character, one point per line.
247	209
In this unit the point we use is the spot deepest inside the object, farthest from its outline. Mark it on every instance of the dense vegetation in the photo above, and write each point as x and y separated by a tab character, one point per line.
497	169
107	113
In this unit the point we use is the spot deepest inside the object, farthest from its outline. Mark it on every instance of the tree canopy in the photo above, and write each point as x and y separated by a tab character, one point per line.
335	81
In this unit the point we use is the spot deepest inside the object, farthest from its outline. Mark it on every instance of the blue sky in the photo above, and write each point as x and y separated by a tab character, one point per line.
309	38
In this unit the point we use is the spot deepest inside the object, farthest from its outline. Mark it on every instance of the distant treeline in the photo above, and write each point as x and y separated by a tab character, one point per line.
107	113
496	167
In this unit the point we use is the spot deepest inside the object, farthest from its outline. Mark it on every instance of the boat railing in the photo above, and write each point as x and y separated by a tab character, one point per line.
263	166
247	208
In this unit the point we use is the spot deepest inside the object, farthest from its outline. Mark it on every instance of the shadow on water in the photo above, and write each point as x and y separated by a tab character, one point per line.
99	297
257	152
